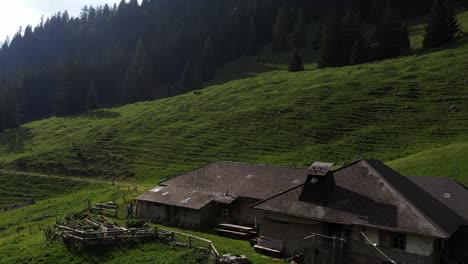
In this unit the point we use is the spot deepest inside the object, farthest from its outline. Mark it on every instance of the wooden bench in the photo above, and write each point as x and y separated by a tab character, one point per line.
269	245
236	227
231	232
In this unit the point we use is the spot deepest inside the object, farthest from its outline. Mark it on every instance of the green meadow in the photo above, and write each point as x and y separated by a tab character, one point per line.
410	112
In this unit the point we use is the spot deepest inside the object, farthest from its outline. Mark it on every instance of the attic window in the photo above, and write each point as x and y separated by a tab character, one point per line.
249	176
166	193
219	176
447	195
296	181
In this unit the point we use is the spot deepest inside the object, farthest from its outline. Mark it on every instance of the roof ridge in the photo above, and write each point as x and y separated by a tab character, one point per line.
183	173
439	228
276	195
257	164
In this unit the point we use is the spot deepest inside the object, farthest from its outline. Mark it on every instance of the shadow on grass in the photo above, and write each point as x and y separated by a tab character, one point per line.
101	252
446	47
102	114
14	140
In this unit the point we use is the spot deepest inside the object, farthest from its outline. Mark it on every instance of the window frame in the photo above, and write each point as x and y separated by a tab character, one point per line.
393	240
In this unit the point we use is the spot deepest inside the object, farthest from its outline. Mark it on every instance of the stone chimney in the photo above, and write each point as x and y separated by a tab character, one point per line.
320	183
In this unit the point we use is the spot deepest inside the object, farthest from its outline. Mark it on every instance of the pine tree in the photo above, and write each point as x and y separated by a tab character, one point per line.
331	40
295	63
405	41
208	60
388	35
10	108
280	30
252	44
351	32
192	76
442	25
2	110
92	100
359	52
139	81
71	92
299	34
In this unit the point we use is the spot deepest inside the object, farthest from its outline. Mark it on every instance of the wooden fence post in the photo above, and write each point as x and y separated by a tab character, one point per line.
334	250
313	249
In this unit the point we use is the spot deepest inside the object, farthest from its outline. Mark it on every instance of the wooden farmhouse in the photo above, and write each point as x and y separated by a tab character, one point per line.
364	212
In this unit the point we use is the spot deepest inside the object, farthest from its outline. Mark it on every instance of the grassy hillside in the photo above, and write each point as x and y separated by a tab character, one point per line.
410	111
449	161
385	110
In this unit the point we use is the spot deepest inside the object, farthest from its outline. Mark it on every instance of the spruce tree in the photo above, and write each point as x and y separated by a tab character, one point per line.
388	35
252	44
92	100
280	30
405	40
331	40
208	60
299	34
71	91
192	76
351	32
442	25
11	108
2	110
139	81
295	63
359	52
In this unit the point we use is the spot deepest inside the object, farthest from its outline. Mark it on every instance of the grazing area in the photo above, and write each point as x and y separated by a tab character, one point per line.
385	110
409	111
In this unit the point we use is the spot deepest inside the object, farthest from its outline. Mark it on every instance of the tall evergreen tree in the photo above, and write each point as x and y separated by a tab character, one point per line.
280	30
405	40
252	42
192	76
351	32
208	60
295	63
72	91
139	81
299	34
442	25
388	35
331	40
92	99
359	52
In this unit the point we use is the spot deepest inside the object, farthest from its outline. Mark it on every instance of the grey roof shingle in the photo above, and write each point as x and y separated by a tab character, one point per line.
233	178
438	186
369	193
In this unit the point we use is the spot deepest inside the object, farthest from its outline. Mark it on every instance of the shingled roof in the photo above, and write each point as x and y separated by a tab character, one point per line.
371	194
211	182
447	191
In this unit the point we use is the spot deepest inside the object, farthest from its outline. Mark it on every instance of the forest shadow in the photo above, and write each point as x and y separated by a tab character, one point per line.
446	47
239	69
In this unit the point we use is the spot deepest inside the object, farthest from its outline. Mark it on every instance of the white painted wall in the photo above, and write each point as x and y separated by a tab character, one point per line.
372	234
420	245
415	244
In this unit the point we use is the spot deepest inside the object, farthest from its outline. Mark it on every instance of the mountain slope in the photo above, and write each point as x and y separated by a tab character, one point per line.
384	110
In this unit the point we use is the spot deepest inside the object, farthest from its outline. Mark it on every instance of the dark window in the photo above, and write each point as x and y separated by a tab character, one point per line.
393	240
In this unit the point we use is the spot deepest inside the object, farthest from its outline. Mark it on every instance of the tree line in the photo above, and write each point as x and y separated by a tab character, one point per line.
131	51
345	40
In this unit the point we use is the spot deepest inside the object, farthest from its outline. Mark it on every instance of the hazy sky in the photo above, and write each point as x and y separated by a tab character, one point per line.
16	13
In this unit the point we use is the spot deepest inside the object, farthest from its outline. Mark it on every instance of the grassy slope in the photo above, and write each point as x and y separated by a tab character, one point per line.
386	110
413	106
449	161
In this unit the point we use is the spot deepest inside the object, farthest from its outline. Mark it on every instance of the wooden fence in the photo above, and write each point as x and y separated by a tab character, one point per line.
109	237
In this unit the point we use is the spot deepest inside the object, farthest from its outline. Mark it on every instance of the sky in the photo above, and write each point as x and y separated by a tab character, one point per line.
16	13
